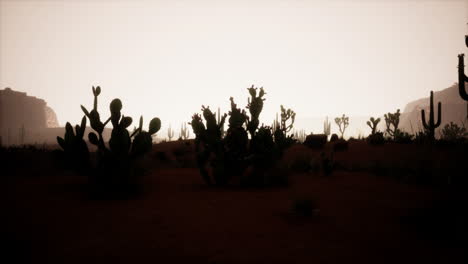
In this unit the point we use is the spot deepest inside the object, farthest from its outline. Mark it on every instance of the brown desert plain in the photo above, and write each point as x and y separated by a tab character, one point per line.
394	203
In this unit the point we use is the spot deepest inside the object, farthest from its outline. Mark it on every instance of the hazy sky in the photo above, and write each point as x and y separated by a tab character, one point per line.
167	58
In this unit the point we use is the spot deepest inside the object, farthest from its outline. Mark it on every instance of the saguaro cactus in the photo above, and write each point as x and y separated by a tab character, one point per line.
431	125
462	78
184	132
326	127
170	133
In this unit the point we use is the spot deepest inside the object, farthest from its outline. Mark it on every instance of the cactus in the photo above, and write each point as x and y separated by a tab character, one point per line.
75	148
255	106
462	79
392	120
184	132
287	114
432	125
276	124
300	135
342	123
372	123
326	127
208	142
22	135
218	121
170	133
231	155
114	166
282	140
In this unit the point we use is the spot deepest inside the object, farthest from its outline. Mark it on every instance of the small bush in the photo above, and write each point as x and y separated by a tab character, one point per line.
452	132
403	137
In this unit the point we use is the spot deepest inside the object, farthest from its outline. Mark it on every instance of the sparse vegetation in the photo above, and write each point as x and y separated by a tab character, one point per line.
452	132
115	170
342	123
230	156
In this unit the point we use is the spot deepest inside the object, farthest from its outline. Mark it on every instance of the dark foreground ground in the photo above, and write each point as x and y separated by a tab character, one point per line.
363	217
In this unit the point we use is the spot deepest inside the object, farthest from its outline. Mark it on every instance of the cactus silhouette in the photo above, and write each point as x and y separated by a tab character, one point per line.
114	166
372	123
432	124
231	155
184	132
170	133
462	79
342	123
326	127
74	146
255	106
22	135
392	120
218	120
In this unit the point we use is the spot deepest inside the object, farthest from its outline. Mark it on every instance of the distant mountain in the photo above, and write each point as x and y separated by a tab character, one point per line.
453	110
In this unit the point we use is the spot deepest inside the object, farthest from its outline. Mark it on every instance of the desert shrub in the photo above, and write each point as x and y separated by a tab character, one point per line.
453	132
115	172
305	207
403	137
376	139
229	156
422	137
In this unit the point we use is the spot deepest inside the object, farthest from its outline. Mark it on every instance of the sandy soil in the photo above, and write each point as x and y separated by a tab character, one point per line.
362	218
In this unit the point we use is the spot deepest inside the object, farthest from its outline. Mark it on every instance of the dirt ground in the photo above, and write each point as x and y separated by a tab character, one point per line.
361	218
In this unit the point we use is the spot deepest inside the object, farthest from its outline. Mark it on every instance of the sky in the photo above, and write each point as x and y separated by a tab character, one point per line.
167	58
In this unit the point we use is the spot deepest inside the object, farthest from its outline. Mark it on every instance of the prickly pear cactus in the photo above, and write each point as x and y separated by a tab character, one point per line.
114	169
75	148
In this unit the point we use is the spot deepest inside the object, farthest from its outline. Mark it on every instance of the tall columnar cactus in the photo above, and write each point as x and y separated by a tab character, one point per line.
184	132
218	120
462	79
326	127
170	133
342	123
276	124
372	123
22	135
432	125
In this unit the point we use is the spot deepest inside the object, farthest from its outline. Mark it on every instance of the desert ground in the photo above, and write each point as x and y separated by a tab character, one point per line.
394	203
